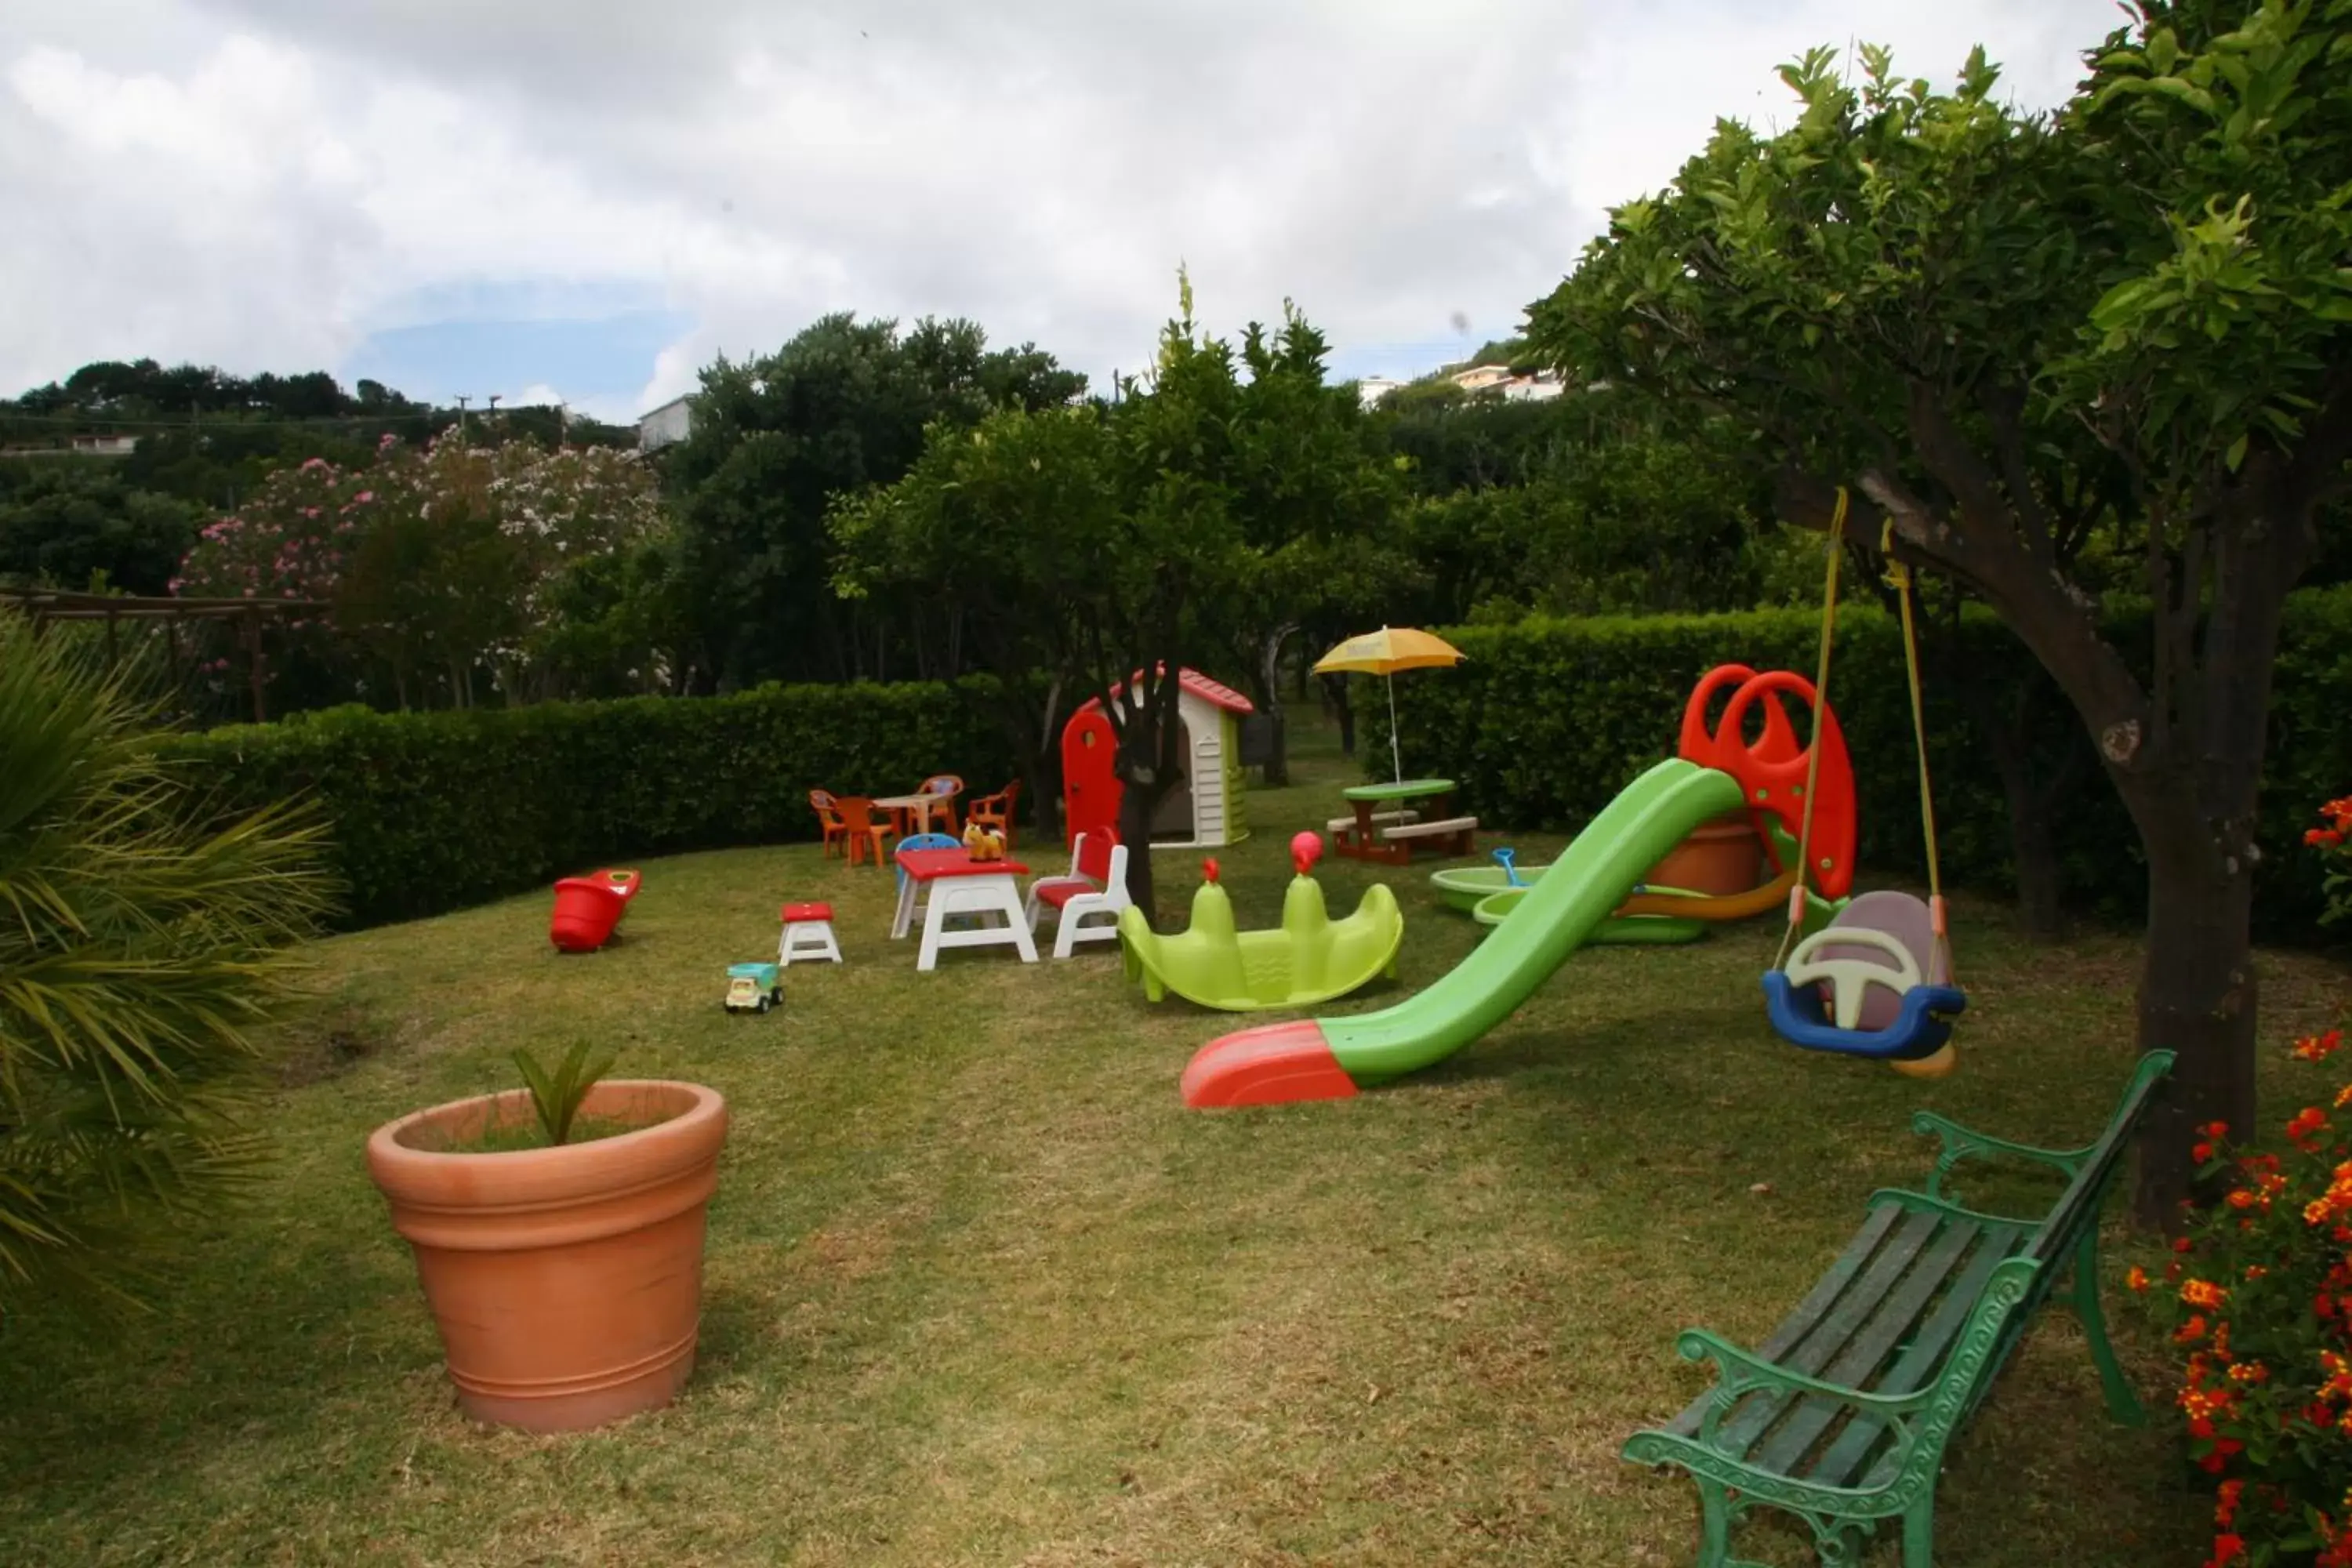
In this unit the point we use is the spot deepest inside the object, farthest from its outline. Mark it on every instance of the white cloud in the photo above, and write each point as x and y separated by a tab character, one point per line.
262	182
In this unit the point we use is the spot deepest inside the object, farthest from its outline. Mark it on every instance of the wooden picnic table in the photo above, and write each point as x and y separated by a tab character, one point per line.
1366	837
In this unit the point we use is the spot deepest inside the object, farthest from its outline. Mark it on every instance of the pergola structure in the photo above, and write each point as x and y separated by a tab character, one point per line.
45	604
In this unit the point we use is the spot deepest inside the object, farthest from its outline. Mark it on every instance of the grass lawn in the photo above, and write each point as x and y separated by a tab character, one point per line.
981	1291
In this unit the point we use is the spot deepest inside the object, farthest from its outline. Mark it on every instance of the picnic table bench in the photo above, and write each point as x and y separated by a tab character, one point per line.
1842	1414
1386	824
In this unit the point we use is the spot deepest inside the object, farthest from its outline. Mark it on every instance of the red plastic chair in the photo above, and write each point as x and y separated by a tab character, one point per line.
861	828
946	786
994	812
828	819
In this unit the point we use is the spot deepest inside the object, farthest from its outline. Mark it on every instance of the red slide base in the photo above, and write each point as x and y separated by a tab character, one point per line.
1273	1064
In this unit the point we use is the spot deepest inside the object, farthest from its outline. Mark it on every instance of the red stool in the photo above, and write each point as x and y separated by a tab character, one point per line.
808	932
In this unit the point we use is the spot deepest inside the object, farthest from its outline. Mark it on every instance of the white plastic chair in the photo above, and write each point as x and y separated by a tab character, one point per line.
1095	891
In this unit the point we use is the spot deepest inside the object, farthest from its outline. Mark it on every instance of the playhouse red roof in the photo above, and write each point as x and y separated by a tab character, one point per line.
1216	693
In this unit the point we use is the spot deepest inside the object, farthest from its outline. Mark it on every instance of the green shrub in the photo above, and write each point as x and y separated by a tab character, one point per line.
2260	1301
1548	719
435	811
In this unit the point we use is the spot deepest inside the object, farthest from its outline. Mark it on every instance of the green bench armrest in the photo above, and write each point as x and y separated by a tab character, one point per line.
1967	1143
1738	1371
1929	1203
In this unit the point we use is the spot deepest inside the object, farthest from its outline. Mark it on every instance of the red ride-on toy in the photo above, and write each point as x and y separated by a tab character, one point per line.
588	907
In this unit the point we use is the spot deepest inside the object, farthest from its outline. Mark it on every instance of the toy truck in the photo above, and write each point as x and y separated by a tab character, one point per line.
753	987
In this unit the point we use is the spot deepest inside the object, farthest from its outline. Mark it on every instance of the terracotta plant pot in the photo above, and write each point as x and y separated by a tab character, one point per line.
1720	857
567	1282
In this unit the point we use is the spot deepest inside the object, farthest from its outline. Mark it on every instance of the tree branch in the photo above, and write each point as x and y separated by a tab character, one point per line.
2001	404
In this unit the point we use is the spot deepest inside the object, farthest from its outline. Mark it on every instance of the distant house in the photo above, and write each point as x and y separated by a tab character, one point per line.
1372	388
1502	380
1533	388
666	424
79	447
1479	377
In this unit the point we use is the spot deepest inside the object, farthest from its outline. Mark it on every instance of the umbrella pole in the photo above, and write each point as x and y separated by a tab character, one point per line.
1394	755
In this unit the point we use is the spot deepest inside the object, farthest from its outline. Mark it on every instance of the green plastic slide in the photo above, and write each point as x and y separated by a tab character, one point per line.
1329	1057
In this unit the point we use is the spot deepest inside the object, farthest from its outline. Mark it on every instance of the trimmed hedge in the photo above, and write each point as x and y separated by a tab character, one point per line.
1548	719
435	811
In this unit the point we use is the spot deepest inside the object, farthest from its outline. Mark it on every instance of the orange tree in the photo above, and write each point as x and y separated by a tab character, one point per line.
1104	547
1953	313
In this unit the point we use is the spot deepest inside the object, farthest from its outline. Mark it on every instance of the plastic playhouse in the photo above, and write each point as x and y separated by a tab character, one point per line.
1310	958
1204	810
589	908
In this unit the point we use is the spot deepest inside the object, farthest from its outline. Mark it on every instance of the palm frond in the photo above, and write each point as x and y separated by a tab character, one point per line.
147	941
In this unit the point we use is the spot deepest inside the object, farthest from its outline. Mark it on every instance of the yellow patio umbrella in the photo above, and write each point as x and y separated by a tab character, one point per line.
1383	653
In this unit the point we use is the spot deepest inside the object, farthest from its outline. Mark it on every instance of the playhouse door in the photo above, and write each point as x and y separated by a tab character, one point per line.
1175	818
1090	786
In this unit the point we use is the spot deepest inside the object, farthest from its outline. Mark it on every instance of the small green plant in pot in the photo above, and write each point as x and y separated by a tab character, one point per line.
552	1117
556	1097
558	1231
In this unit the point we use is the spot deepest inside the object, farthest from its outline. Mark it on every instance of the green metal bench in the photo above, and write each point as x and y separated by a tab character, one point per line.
1841	1417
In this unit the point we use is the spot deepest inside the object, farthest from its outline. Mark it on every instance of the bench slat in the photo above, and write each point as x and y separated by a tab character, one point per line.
1347	824
1746	1425
1801	1318
1889	1316
1857	1366
1431	829
1920	1360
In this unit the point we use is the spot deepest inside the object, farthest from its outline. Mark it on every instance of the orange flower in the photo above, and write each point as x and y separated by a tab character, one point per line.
2308	1123
2319	1048
2203	1293
2228	1547
2322	838
2137	1279
2193	1330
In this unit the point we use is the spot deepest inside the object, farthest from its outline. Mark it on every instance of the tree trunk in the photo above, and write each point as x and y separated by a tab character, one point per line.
1277	765
2197	997
2033	804
1137	806
1036	743
1150	762
2041	876
1335	695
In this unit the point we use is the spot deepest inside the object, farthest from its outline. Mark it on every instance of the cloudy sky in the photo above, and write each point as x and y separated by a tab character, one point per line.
588	198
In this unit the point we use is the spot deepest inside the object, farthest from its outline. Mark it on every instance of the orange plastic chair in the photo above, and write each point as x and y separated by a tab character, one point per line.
947	786
828	819
994	812
858	820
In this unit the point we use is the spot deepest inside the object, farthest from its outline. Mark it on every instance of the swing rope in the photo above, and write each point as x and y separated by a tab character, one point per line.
1898	577
1813	752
